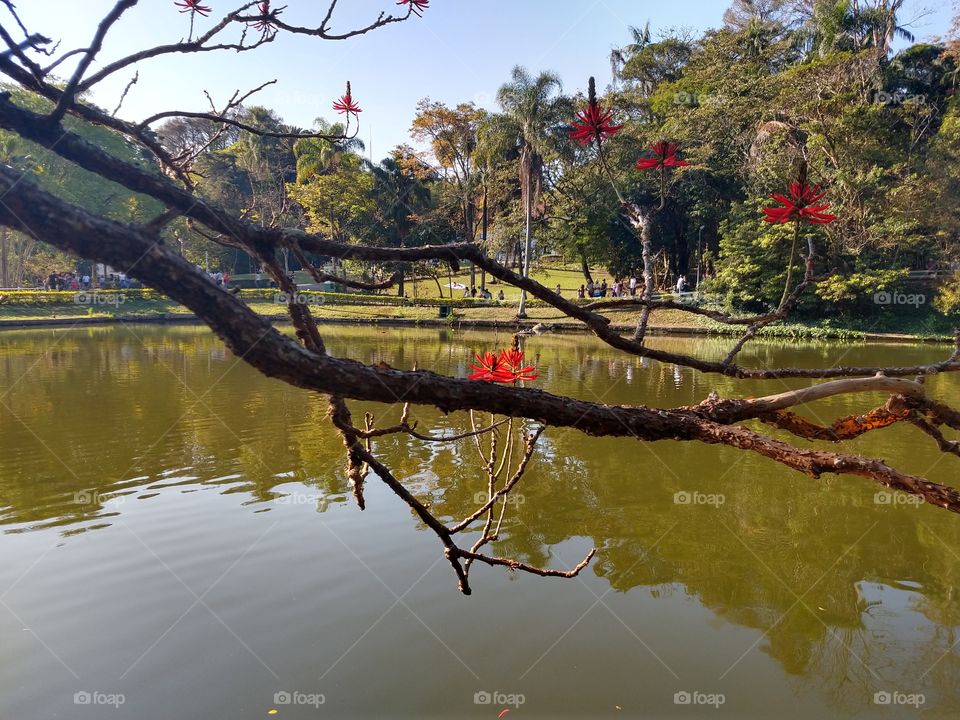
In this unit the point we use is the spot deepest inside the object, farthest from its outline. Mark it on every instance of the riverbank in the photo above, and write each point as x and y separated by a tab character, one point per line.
461	316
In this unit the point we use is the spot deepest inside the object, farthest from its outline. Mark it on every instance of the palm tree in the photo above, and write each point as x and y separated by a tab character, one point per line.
619	56
827	28
845	25
316	156
742	13
879	24
530	107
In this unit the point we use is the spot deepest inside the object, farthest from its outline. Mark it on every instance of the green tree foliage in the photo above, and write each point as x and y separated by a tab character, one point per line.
27	261
340	204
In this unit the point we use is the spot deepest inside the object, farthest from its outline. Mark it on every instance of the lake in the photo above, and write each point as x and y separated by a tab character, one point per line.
178	540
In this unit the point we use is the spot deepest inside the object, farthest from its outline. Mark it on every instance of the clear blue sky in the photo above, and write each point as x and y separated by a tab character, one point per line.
461	50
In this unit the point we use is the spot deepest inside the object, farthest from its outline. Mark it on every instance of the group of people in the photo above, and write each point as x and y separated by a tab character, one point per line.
75	281
482	294
223	279
622	287
67	281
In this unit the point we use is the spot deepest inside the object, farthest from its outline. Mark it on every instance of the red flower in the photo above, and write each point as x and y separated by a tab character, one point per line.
193	6
512	360
265	23
489	369
416	6
665	155
593	122
507	367
801	205
345	105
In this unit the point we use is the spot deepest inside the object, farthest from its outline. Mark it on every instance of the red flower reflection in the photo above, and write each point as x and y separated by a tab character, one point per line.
507	367
593	122
665	155
193	6
416	6
345	105
801	205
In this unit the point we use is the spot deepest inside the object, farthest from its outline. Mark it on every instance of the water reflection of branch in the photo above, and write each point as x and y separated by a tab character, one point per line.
361	457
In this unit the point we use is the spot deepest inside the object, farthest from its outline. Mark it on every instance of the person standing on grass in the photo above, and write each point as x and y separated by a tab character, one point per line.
633	286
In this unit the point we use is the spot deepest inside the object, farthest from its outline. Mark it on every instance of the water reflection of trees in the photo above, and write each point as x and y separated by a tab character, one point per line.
119	408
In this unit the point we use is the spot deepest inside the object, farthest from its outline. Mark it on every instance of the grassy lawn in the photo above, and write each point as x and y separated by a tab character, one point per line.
569	277
153	308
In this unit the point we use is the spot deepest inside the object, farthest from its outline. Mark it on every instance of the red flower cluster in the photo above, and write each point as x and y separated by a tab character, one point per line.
593	122
345	105
801	205
665	155
416	6
193	6
507	367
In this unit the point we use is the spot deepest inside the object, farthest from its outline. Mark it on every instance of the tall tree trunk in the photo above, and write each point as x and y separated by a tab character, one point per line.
585	267
470	232
643	222
528	241
4	259
483	239
20	262
401	287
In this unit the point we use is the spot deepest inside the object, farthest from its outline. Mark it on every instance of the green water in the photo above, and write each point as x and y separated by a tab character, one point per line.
178	535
